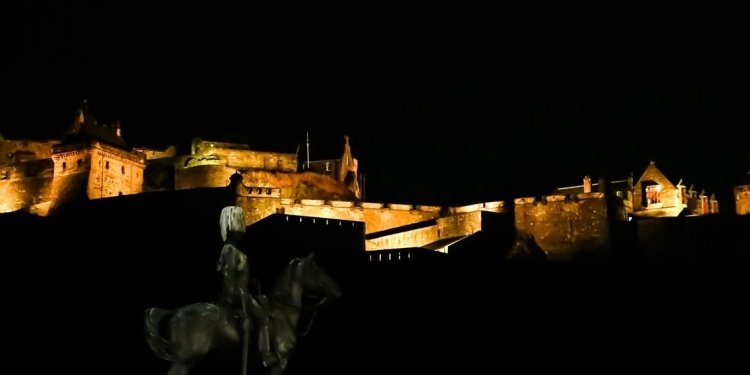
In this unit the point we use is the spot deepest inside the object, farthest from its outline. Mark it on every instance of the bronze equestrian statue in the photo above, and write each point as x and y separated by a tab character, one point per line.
194	330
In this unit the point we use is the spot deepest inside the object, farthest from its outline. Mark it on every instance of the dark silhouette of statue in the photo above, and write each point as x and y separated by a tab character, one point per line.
235	294
525	248
190	332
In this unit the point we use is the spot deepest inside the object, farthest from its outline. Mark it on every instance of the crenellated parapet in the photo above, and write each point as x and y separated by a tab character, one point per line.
555	198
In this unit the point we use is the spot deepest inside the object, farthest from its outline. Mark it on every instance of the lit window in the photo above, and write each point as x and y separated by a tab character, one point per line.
652	194
619	194
328	166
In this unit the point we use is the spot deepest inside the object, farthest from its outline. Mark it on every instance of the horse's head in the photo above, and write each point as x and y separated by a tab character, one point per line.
316	282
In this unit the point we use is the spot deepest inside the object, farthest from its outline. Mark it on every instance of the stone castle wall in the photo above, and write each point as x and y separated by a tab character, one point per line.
561	226
13	151
153	154
305	185
114	172
241	157
71	176
202	176
26	185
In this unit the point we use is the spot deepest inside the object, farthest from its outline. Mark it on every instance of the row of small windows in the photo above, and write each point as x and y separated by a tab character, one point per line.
106	166
260	190
79	162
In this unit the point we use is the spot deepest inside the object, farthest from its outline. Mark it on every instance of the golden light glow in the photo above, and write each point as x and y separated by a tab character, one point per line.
10	199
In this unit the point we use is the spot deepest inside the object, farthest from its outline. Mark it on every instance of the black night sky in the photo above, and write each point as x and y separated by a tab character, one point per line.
441	108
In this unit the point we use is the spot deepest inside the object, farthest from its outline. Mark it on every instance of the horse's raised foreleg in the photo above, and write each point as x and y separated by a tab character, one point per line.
278	369
179	369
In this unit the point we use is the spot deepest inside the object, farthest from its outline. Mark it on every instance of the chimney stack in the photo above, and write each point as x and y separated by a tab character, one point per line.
587	184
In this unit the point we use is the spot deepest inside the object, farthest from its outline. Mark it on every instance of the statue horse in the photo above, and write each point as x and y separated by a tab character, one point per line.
193	330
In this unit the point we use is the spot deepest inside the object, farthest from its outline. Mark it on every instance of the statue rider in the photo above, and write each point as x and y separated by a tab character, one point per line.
234	268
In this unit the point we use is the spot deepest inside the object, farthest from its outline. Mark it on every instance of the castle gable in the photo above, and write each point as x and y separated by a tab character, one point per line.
654	191
652	173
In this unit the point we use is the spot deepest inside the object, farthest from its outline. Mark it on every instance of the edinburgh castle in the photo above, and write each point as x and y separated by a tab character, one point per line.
93	161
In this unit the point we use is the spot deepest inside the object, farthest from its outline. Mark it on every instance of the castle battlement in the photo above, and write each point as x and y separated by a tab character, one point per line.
466	209
592	195
546	199
525	200
496	206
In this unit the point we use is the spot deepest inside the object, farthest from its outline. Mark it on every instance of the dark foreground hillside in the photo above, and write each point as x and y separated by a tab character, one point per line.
76	286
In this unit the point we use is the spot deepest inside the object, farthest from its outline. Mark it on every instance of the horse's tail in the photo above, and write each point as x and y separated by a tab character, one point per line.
159	345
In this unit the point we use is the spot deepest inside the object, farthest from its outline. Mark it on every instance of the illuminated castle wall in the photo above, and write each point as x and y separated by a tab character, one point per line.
26	185
211	164
562	227
92	161
655	196
18	151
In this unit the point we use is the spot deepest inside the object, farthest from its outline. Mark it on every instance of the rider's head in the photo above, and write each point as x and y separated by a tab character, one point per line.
232	220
